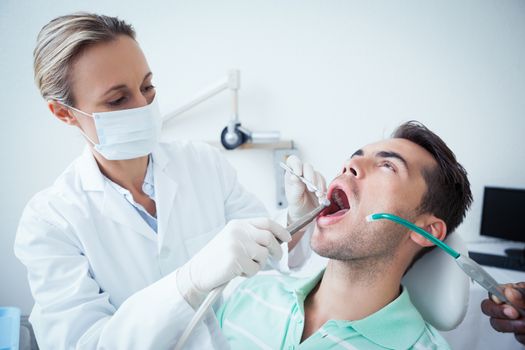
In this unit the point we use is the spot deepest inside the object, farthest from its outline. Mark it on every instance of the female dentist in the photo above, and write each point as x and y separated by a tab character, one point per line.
127	242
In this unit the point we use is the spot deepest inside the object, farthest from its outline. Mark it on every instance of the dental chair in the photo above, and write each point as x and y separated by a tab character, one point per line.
438	288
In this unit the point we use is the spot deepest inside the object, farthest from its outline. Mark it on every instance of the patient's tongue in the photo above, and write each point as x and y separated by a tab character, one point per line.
338	213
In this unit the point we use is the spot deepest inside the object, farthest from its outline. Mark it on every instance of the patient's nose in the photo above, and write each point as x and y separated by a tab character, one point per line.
352	168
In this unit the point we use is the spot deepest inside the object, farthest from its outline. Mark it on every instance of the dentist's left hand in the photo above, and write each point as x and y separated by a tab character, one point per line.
240	249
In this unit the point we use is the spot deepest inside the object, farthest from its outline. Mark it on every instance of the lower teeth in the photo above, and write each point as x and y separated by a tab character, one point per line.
339	212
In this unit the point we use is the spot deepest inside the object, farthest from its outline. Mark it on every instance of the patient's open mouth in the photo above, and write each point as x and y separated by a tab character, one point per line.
339	204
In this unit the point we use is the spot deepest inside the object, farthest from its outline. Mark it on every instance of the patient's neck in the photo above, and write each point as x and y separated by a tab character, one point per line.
351	291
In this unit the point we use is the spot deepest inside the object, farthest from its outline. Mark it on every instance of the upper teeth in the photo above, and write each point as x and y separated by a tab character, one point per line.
338	200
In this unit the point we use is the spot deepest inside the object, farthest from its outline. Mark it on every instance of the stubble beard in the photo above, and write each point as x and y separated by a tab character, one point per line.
368	248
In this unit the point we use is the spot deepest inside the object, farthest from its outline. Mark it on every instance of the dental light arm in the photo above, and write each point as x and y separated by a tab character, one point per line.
233	135
231	83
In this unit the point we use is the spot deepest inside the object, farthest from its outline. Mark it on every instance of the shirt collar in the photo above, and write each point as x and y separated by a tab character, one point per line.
93	180
398	325
301	287
147	186
305	285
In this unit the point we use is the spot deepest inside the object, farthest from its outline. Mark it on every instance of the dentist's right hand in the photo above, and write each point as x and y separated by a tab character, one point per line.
503	317
240	249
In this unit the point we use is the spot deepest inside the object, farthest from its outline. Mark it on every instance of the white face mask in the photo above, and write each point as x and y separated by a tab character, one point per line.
128	133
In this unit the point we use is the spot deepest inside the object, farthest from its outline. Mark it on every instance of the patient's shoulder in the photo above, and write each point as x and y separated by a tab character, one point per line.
269	286
267	291
431	339
252	295
270	278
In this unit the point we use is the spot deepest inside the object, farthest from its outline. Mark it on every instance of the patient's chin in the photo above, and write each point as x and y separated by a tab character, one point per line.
331	244
321	244
321	251
329	250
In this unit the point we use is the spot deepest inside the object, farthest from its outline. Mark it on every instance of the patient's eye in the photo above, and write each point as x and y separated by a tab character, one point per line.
389	165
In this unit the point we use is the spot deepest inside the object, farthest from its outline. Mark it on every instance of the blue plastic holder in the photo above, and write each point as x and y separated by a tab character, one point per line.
9	328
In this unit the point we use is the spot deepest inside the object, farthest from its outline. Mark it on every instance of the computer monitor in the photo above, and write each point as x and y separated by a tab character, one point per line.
503	213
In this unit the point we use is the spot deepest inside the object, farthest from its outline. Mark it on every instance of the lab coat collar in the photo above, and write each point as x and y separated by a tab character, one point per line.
89	172
160	156
114	205
93	180
165	191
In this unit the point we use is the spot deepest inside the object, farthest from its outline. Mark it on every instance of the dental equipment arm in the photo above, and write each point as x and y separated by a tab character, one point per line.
469	266
214	294
234	134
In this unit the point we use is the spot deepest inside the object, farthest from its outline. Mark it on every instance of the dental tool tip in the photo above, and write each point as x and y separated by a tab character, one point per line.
325	202
370	218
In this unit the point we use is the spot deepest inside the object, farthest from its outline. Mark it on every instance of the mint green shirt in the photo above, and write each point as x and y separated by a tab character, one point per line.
267	312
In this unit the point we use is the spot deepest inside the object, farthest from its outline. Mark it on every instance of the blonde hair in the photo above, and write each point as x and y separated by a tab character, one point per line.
61	41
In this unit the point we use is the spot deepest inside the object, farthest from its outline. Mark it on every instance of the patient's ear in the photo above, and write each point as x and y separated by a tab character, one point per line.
433	225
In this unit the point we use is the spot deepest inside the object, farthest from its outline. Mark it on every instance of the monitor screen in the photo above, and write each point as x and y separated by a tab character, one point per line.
503	213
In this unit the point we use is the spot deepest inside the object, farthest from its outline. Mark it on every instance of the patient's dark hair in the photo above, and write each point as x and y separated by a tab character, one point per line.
448	195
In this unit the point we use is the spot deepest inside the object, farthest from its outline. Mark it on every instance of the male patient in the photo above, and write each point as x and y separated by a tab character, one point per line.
358	302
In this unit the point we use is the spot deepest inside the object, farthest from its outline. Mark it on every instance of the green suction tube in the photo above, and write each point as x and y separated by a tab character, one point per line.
411	226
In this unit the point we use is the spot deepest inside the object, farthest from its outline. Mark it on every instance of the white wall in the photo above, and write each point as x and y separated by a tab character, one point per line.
331	75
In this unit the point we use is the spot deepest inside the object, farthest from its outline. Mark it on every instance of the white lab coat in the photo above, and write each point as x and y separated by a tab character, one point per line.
100	276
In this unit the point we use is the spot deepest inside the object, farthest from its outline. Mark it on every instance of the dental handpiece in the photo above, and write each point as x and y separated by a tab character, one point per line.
306	219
